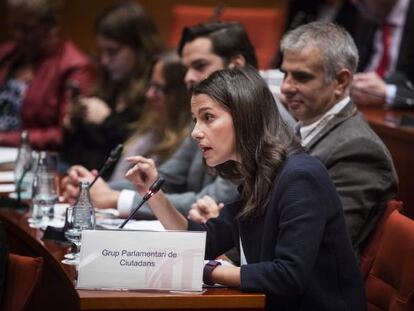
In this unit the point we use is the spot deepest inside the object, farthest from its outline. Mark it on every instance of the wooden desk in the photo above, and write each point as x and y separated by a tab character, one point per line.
400	142
211	299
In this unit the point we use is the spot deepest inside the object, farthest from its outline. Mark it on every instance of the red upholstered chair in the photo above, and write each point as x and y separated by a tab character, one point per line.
390	282
55	290
264	26
23	275
370	248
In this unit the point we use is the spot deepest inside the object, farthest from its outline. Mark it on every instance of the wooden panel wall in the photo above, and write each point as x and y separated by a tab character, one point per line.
79	15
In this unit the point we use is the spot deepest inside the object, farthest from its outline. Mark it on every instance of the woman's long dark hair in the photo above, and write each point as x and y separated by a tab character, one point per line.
127	22
263	140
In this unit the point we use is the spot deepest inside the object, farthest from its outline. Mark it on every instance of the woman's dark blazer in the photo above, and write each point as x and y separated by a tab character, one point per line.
298	252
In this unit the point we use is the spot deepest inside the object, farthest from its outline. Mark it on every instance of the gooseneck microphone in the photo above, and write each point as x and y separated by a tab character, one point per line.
112	159
155	187
26	168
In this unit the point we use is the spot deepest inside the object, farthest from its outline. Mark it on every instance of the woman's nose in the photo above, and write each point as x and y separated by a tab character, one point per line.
196	133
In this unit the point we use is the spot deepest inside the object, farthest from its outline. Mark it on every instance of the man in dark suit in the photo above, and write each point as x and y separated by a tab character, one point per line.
319	67
301	12
387	54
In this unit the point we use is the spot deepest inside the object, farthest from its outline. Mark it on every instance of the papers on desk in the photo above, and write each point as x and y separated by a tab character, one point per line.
23	195
106	212
7	177
7	155
151	225
109	219
105	219
7	188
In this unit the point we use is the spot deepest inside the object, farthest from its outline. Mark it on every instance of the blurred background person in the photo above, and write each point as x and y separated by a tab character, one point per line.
300	12
165	120
387	54
35	69
128	42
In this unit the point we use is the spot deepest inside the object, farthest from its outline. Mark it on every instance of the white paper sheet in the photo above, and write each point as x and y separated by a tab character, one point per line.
114	223
7	154
7	176
106	212
6	188
59	210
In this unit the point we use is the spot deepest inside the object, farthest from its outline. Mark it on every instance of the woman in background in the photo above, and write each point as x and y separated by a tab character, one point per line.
35	70
128	42
289	226
165	120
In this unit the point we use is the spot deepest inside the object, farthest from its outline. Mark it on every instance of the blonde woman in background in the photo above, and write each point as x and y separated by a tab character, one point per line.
165	121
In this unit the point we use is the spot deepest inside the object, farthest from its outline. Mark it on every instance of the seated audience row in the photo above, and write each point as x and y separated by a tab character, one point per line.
319	99
260	172
34	97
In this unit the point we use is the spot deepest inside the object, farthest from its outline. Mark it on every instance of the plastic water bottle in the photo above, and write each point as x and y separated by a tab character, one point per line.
44	192
24	157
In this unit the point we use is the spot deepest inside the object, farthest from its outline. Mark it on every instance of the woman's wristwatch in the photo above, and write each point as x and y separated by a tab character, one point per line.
208	270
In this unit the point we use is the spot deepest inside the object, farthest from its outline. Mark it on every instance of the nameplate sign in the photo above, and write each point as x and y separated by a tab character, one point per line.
121	259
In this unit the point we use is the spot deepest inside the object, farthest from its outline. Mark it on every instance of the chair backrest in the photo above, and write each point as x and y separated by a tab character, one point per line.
55	290
370	247
22	279
390	282
264	26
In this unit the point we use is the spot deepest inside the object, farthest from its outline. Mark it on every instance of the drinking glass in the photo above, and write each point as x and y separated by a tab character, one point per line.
45	196
51	161
78	220
71	257
36	215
